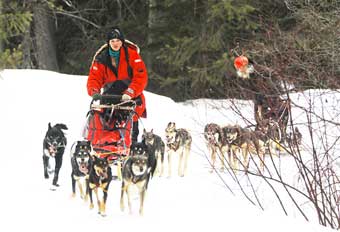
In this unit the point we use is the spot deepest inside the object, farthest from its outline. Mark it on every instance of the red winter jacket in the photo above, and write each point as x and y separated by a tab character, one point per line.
102	72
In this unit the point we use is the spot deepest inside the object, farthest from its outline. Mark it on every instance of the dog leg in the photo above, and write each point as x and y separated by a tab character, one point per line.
80	186
224	150
245	155
119	170
169	162
157	169
142	192
98	200
162	162
233	155
272	148
122	190
212	151
58	163
45	163
261	157
91	199
159	163
73	185
103	203
87	188
180	163
186	157
128	193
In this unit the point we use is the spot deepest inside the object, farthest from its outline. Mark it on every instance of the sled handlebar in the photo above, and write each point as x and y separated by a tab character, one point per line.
110	97
121	105
117	107
137	100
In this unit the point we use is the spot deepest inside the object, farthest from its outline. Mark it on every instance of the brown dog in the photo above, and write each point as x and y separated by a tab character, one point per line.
100	177
245	142
216	142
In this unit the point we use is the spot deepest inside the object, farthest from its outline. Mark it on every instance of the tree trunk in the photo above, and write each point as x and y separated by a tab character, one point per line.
152	19
27	46
45	47
119	11
1	27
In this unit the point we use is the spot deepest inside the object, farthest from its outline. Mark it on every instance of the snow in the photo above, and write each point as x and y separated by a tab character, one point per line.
30	99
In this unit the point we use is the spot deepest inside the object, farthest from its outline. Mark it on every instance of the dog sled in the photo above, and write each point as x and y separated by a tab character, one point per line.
109	128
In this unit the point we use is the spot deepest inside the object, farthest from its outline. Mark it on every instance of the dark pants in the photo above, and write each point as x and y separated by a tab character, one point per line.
135	131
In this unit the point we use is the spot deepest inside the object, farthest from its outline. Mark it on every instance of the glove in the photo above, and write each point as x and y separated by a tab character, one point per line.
126	97
96	96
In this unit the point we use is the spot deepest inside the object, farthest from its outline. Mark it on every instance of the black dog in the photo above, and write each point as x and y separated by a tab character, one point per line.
157	147
81	164
136	171
100	177
53	150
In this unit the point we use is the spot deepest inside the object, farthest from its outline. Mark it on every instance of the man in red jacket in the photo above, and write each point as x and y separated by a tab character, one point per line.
119	67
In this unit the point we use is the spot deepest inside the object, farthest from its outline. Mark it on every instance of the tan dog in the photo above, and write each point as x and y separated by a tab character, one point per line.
271	135
178	141
245	142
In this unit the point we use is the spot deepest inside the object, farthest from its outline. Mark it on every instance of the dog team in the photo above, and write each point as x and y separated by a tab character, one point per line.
241	145
93	174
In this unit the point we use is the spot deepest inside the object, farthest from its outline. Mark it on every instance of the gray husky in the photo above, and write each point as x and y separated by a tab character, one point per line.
136	171
178	141
156	146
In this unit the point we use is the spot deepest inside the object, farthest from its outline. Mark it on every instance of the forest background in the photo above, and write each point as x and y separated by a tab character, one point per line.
188	45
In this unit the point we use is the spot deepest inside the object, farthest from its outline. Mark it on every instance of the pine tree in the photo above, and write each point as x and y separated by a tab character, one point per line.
14	20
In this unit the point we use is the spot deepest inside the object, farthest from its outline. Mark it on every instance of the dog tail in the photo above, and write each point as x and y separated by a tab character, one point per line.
61	126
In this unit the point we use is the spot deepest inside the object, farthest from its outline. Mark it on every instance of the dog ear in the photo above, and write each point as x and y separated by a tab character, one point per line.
144	131
152	130
93	157
238	129
49	125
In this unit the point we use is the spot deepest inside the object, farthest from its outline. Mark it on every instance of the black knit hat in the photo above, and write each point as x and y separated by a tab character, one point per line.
115	33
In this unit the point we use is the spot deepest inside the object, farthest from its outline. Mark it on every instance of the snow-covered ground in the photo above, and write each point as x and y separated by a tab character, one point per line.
30	99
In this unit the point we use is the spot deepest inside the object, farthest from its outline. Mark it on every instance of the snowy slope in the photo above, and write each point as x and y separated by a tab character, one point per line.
30	99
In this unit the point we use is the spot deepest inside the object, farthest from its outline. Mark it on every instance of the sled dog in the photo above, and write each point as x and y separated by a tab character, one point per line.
294	138
157	147
53	150
100	177
215	142
245	142
178	141
81	164
271	135
136	171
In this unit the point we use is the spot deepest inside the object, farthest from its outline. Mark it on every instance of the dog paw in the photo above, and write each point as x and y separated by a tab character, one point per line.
46	176
91	206
73	195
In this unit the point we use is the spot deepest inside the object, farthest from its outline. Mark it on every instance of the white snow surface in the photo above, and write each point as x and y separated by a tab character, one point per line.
30	99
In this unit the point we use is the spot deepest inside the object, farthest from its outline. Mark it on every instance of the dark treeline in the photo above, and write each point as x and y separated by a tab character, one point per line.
188	45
